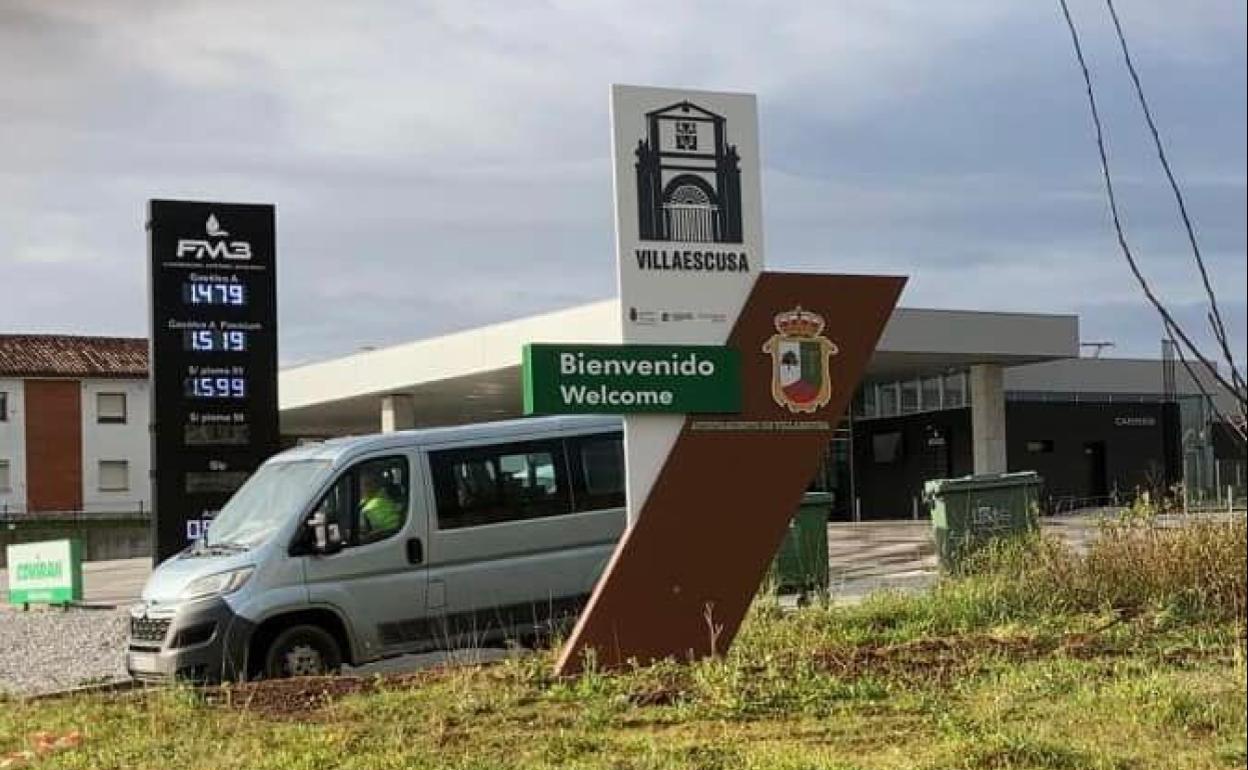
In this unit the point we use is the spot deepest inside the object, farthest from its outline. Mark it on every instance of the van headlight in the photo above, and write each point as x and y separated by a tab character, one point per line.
219	584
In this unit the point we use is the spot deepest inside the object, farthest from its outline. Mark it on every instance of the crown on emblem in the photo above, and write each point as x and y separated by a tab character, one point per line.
799	323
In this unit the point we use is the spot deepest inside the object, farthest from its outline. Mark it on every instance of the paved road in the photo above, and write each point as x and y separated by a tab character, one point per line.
863	557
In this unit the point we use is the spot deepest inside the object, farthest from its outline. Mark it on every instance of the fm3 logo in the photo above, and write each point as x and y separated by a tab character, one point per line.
215	246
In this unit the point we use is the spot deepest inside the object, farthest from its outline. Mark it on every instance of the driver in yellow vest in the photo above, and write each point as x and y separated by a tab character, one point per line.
378	512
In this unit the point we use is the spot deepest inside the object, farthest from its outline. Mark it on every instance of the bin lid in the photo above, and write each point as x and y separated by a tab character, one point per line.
982	481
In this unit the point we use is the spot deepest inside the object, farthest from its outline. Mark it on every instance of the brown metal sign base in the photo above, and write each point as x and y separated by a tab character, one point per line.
685	573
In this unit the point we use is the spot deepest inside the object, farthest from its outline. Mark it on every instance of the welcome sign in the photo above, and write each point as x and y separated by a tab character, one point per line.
710	493
619	379
45	573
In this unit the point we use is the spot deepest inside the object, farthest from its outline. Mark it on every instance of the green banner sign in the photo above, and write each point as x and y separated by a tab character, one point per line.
45	573
621	379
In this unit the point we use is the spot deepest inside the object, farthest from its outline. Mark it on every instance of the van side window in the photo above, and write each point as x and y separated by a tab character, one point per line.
509	482
598	467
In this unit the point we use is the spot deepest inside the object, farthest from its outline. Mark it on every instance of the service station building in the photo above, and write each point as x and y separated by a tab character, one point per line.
947	393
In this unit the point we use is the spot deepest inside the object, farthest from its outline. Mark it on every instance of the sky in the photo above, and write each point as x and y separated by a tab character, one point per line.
442	165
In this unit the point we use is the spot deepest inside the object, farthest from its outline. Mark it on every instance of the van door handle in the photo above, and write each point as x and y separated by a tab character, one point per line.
415	551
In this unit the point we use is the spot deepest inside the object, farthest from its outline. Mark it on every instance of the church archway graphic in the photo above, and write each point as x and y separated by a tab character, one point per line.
688	178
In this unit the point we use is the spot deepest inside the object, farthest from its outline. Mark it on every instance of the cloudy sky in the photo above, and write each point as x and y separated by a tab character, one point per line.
440	165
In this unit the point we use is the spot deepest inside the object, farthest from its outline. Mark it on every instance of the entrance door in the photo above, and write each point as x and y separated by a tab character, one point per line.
378	579
936	453
838	473
1096	475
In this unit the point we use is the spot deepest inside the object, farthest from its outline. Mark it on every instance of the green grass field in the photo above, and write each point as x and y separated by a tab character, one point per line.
1132	656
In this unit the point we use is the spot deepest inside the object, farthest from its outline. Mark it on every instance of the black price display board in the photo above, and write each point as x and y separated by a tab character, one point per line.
214	359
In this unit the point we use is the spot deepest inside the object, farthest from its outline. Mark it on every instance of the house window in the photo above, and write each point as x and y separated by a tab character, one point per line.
114	475
110	408
4	407
1040	447
6	481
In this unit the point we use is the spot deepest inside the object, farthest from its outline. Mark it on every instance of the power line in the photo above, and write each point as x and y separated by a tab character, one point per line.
1215	316
1171	325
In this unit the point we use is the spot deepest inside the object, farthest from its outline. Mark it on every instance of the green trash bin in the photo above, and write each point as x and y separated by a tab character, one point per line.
971	511
801	564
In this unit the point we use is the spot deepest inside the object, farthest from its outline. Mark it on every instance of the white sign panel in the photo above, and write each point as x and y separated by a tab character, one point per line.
49	572
689	240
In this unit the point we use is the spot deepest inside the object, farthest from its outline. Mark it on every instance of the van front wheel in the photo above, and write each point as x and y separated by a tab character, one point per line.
302	651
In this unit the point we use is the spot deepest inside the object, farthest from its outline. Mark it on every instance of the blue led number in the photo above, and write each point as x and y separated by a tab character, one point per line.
209	341
215	293
216	387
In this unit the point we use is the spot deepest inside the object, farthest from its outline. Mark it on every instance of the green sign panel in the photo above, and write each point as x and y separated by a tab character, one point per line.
45	573
621	379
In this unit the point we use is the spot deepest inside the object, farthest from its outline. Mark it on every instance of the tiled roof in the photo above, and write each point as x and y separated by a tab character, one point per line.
61	355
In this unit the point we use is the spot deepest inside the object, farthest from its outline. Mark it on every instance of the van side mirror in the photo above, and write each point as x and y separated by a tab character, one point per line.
326	537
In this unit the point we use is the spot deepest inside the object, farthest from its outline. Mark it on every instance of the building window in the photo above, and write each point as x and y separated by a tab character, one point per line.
955	390
1040	447
114	475
6	481
866	395
110	408
888	399
909	396
930	394
4	407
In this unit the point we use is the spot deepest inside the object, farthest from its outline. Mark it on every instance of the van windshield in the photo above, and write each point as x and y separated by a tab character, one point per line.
273	494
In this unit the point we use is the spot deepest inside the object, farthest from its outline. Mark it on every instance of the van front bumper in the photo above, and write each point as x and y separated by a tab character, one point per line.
202	641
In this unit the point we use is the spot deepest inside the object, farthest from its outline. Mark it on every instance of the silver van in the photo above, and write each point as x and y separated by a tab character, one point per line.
357	549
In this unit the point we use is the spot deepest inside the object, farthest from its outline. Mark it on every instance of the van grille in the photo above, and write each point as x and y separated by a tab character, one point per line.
148	629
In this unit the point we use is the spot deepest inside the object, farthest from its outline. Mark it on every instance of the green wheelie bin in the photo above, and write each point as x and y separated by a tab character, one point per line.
972	511
801	564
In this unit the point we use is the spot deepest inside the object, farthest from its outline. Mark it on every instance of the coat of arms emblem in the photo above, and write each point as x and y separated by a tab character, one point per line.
800	376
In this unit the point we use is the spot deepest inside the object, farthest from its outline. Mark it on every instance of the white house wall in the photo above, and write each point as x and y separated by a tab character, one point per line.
111	441
13	446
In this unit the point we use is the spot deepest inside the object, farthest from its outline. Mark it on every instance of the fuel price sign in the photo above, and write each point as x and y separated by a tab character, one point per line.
214	359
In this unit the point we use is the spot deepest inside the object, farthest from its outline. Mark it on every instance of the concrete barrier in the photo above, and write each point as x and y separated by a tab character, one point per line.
103	536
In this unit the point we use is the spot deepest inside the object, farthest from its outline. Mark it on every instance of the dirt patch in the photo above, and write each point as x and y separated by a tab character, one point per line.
939	660
302	697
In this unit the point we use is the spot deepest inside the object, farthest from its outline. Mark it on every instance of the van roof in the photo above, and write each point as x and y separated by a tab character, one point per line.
342	449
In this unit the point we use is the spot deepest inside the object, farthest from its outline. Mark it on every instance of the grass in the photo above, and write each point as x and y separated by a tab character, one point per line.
1131	656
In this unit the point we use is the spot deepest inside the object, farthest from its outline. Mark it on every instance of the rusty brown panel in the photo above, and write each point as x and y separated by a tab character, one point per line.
685	573
53	445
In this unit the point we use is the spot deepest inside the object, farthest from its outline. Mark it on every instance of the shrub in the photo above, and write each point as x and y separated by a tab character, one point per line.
1196	568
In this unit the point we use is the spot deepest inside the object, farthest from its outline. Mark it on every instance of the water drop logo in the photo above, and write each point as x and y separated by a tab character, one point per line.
214	227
